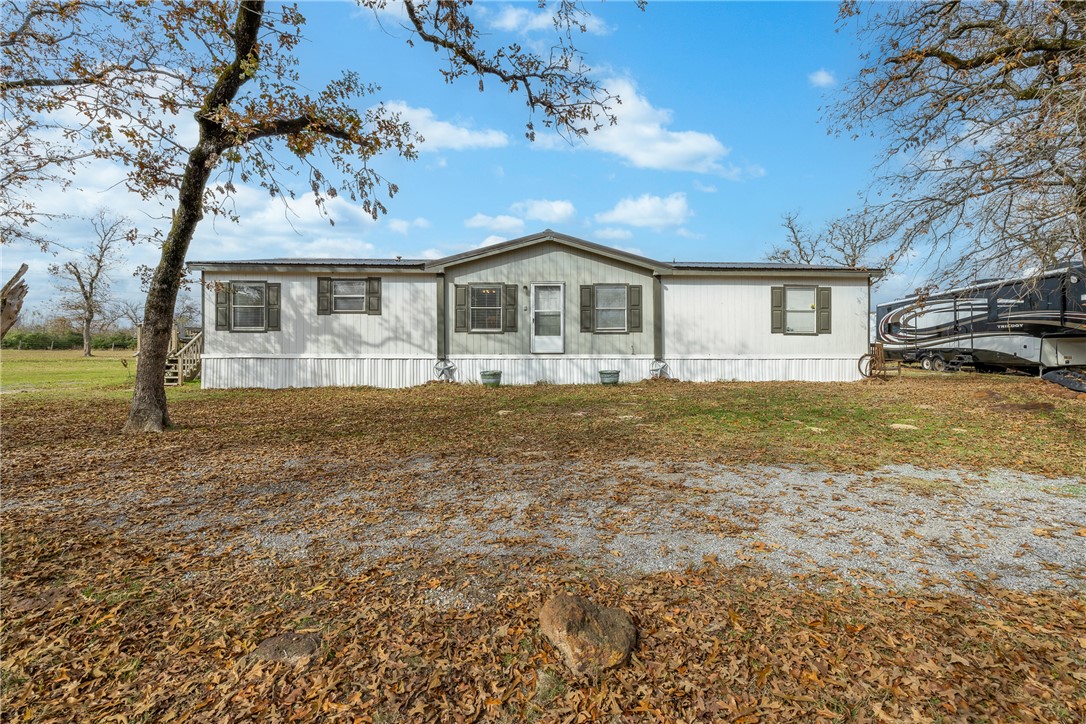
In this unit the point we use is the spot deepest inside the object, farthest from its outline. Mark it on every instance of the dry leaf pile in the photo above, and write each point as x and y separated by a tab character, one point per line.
137	579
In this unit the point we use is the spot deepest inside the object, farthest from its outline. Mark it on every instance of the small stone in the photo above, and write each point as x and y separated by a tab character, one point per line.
505	412
816	429
591	638
290	648
903	426
958	429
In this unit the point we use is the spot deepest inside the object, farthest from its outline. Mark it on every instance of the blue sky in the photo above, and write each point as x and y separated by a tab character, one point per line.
719	134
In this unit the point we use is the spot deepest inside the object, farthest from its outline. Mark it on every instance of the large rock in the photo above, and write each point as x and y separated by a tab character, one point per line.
290	648
592	638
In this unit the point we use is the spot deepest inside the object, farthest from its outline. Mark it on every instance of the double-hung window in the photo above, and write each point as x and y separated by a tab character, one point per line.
248	305
485	308
610	311
611	308
348	295
800	310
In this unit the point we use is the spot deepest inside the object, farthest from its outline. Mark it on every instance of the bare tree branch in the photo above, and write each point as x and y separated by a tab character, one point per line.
983	110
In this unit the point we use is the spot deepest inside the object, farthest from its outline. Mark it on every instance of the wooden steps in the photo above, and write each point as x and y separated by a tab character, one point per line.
184	364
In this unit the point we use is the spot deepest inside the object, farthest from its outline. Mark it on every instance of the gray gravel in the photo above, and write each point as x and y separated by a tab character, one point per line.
900	527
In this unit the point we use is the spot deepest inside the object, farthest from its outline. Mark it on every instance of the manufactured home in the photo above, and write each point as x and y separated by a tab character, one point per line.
545	307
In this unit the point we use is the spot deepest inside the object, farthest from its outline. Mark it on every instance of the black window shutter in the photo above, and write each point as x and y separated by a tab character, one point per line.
633	308
324	295
273	307
222	306
460	311
588	308
373	295
776	307
824	311
509	312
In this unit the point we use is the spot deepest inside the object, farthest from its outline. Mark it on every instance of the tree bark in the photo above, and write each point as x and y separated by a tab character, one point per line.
11	300
148	410
87	319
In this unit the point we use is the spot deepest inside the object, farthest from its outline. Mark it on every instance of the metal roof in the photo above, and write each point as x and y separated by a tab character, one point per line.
437	265
316	261
759	266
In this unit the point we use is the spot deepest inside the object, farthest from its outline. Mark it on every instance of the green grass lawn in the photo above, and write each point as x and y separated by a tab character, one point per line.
43	371
930	420
68	374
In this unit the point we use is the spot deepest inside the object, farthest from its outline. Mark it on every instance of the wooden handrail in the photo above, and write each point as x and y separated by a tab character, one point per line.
189	357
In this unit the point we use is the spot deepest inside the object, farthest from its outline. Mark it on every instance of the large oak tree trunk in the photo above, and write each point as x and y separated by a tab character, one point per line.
148	410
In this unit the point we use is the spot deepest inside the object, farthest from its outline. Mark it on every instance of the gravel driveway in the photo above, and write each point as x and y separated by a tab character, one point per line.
903	528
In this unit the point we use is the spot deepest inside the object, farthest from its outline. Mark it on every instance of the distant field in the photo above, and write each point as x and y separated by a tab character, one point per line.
49	370
67	373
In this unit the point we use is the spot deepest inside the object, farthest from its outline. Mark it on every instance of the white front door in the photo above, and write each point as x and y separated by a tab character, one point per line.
548	318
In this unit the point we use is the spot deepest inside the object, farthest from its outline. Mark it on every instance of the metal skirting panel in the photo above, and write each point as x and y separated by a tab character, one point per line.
283	372
560	369
750	369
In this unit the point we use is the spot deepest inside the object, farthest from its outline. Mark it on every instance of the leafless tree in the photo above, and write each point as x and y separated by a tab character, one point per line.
983	108
121	72
11	300
188	311
84	282
130	311
853	240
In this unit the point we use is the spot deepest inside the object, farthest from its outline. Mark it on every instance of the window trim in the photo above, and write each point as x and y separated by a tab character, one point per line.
624	308
500	307
364	296
814	310
263	307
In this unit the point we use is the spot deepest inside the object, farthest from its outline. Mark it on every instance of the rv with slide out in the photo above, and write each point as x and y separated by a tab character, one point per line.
1030	323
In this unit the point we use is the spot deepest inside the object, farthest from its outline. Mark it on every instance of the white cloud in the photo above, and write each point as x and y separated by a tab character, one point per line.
402	226
655	212
551	212
442	135
709	188
688	234
521	20
642	138
822	78
431	254
492	239
501	224
610	232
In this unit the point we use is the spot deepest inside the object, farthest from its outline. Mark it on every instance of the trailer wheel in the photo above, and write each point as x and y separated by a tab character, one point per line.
938	364
925	362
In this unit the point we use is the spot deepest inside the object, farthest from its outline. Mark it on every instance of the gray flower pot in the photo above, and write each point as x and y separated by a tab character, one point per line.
609	377
491	378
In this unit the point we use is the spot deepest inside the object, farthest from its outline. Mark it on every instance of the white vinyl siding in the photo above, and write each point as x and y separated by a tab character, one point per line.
406	327
719	317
